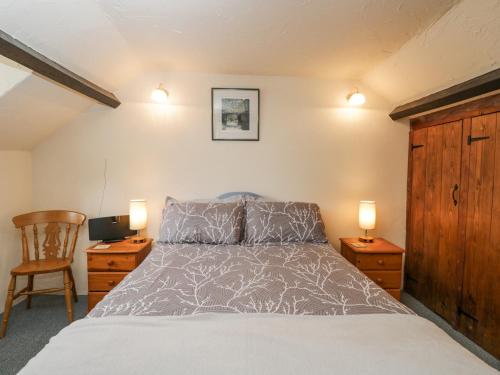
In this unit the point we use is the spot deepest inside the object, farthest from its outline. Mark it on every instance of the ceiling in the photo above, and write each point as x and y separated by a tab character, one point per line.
341	38
110	41
32	107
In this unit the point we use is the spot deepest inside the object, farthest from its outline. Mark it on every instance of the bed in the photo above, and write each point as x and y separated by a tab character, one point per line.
265	308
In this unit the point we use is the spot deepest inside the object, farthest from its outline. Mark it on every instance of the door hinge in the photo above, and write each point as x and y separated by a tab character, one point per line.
471	139
464	313
414	146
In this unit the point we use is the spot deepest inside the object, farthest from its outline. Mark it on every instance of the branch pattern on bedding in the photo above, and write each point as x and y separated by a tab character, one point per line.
296	278
283	222
198	222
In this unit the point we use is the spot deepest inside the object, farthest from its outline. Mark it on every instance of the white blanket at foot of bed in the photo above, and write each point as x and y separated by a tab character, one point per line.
255	344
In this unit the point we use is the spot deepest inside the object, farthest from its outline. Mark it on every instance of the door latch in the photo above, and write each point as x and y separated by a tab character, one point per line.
466	314
414	146
455	189
471	139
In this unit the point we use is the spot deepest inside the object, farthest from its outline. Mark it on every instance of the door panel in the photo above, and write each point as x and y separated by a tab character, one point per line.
414	251
433	254
432	215
449	250
481	281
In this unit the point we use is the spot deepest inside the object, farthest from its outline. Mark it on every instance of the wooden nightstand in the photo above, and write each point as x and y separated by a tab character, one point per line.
380	260
107	267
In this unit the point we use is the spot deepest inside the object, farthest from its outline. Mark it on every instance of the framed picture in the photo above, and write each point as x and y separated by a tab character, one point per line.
235	114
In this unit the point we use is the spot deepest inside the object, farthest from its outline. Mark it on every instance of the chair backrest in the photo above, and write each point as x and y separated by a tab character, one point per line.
51	245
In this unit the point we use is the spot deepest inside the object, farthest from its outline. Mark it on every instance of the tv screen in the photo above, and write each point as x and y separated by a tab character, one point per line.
110	228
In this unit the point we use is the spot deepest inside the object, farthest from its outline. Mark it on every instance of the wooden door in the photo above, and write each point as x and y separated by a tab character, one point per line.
480	307
434	251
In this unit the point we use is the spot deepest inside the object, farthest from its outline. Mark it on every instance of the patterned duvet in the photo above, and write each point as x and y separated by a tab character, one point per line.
297	278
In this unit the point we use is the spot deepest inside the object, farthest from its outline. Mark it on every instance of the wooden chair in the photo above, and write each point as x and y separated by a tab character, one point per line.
54	258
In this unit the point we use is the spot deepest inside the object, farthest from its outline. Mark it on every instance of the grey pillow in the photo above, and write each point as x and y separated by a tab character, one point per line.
282	222
201	222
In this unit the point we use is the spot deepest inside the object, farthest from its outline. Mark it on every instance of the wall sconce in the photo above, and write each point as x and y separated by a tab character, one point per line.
367	218
356	98
159	95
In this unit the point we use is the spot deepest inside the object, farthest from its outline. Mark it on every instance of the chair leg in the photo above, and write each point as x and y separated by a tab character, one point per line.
73	285
30	289
67	295
8	305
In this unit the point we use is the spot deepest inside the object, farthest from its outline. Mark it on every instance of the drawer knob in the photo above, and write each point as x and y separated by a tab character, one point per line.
111	283
379	280
111	262
380	261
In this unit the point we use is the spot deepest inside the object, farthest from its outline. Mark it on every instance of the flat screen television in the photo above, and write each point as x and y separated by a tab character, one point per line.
110	228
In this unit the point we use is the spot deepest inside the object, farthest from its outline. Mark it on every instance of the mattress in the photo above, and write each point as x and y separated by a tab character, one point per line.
295	278
268	309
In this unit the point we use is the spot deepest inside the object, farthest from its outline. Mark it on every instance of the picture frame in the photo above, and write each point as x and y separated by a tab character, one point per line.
235	114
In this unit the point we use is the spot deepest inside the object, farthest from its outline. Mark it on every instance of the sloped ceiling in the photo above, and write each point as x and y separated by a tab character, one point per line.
461	45
110	41
33	108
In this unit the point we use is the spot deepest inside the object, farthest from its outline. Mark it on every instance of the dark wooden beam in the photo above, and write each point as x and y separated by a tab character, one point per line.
16	51
483	84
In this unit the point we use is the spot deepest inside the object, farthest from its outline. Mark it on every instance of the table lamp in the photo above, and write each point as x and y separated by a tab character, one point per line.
367	217
138	218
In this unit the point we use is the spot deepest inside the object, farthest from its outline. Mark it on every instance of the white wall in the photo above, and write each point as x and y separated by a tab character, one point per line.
461	45
311	149
15	198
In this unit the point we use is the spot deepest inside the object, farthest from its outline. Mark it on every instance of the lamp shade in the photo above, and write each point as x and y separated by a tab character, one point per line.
367	214
138	214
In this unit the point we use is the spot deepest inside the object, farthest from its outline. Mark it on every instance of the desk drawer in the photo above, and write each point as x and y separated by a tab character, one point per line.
104	281
385	279
111	262
379	261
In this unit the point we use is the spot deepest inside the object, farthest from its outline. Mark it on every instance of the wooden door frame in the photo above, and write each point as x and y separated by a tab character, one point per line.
479	107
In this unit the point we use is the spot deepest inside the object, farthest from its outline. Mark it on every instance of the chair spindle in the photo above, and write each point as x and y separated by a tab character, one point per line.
73	243
35	241
66	238
26	253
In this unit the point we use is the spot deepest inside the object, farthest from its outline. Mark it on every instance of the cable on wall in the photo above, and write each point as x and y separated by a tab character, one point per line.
105	175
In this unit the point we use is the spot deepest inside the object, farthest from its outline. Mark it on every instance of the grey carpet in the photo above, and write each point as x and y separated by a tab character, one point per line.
423	311
30	330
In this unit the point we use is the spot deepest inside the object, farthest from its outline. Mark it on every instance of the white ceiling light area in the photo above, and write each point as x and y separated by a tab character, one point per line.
76	34
334	39
461	45
106	40
11	74
31	107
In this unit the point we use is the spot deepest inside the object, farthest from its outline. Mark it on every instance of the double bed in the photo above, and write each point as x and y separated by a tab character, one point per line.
265	308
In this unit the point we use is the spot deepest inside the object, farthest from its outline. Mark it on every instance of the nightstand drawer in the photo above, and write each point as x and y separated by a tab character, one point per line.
111	262
379	262
385	279
94	298
104	281
396	293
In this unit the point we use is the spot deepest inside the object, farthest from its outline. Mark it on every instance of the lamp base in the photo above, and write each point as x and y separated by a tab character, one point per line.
366	239
138	239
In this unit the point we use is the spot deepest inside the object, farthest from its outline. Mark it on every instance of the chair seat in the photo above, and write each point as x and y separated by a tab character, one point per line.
41	266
